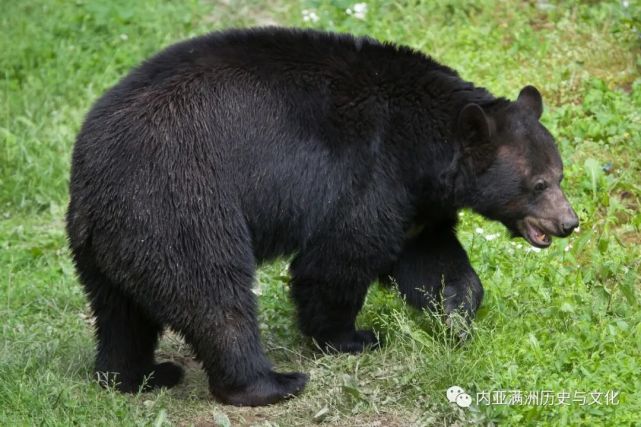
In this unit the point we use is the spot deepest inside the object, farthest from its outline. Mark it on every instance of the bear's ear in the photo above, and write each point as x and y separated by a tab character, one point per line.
474	125
476	130
531	99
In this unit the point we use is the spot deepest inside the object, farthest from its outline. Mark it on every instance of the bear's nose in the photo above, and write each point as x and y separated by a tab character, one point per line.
569	224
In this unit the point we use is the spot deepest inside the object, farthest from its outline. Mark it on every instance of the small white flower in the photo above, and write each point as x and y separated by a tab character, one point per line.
310	15
124	36
576	230
568	247
358	10
491	236
532	249
479	230
461	213
544	5
625	3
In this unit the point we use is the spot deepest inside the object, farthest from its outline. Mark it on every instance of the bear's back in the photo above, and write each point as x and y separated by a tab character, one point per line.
286	126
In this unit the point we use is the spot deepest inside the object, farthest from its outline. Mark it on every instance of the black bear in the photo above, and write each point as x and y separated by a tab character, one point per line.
240	146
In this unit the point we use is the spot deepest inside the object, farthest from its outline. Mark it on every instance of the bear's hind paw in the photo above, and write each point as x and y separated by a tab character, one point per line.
267	389
166	374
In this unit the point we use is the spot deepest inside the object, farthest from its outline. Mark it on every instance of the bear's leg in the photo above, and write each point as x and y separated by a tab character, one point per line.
434	267
208	299
126	339
223	330
329	293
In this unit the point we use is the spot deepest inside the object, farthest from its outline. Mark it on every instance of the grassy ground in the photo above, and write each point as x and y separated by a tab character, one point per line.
565	319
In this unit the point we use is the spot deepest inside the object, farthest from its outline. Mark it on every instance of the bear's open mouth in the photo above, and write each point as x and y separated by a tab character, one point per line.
534	234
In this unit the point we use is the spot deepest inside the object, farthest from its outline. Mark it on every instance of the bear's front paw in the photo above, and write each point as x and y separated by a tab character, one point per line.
355	342
267	389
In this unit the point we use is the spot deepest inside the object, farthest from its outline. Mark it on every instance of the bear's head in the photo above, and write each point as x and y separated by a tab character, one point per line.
515	168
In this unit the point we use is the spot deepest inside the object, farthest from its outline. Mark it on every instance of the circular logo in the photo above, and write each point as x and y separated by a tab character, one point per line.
464	400
454	391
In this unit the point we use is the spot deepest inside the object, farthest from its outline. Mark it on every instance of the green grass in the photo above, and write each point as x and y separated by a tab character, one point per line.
565	319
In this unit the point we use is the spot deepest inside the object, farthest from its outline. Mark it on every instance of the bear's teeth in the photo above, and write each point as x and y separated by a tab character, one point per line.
539	234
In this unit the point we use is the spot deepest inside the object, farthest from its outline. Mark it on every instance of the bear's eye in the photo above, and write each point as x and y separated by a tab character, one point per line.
540	186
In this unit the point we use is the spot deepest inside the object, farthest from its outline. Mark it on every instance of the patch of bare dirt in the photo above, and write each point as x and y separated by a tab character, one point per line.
254	417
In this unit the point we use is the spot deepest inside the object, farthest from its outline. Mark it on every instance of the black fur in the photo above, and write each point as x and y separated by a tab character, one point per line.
434	270
237	147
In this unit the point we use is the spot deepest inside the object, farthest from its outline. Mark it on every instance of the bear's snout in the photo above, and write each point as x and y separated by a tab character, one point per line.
569	223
